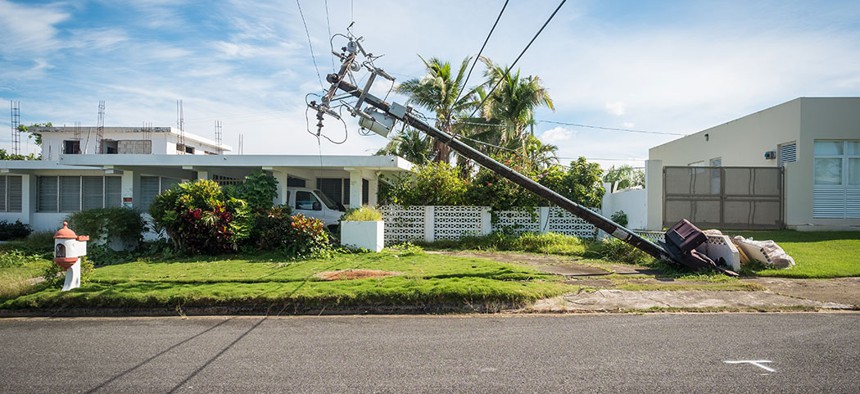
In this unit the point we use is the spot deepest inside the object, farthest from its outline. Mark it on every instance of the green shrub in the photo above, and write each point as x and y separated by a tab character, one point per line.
614	249
272	229
54	275
308	238
200	219
363	214
16	258
430	184
109	226
15	230
619	217
259	190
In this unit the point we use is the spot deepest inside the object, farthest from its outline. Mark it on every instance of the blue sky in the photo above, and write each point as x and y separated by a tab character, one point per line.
661	66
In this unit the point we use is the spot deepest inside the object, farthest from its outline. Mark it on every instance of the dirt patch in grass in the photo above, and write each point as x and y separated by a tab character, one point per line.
354	274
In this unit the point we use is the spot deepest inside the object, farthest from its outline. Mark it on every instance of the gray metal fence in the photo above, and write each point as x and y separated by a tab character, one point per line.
724	197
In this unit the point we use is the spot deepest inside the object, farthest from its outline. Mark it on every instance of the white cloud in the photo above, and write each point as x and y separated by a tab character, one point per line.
556	135
628	125
615	107
28	30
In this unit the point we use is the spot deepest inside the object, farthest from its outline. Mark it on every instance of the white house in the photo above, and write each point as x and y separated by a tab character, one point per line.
136	165
816	141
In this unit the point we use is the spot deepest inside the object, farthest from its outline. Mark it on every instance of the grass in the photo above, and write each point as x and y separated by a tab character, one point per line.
425	282
830	254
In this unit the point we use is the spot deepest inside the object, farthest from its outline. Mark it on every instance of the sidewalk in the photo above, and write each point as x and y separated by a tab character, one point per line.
694	301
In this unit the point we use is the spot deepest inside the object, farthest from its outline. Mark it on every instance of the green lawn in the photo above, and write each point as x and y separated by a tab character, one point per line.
420	280
828	254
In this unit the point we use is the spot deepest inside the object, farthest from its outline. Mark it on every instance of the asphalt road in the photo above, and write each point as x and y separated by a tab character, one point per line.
813	352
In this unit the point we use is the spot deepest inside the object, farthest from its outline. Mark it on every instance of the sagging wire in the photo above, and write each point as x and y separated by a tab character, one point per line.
319	134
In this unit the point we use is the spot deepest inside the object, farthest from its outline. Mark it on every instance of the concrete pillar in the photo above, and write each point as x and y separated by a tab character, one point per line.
429	223
130	190
28	198
373	191
654	191
281	177
355	188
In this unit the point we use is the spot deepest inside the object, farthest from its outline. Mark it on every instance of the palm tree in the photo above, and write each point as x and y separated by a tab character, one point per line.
511	106
409	144
440	91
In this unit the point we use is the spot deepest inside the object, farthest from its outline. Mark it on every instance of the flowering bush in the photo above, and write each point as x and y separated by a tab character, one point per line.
199	219
308	237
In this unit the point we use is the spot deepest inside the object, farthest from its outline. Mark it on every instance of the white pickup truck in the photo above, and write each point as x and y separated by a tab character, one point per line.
313	203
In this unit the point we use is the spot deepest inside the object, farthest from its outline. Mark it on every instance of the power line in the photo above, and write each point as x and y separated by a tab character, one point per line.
608	128
328	24
310	44
490	34
508	70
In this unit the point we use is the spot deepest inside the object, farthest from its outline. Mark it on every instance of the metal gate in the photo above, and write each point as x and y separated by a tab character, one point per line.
737	198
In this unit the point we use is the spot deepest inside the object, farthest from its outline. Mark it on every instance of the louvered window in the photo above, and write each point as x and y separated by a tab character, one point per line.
93	192
836	194
47	193
10	194
787	153
74	193
152	186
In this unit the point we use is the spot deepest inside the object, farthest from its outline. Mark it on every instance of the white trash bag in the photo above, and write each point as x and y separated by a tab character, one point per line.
766	252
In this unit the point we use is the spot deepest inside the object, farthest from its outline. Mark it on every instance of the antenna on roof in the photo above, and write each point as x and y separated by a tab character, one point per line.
16	120
180	121
241	144
219	137
100	128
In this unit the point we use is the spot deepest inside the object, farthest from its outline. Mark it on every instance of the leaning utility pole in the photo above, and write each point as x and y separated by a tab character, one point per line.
383	121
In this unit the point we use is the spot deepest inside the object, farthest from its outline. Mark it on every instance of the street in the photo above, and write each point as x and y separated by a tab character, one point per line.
804	352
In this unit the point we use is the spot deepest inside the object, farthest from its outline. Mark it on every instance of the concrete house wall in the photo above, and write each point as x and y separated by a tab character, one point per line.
743	142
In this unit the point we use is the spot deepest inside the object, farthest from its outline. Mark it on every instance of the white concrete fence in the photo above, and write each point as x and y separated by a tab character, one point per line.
430	223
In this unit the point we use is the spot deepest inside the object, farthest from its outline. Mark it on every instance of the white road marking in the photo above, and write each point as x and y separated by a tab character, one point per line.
757	363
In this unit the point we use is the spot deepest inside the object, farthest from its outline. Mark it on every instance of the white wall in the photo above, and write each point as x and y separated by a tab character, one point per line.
632	201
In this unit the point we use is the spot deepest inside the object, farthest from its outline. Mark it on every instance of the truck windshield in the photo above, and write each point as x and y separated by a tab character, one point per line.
327	201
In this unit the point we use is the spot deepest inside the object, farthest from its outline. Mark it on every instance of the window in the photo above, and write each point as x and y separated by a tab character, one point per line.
787	154
836	194
307	201
74	193
10	194
72	147
338	189
151	186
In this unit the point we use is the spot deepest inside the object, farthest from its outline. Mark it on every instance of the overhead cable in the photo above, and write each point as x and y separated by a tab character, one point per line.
310	44
490	34
508	70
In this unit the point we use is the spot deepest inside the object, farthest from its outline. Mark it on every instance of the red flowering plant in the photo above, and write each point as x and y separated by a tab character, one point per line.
200	219
308	237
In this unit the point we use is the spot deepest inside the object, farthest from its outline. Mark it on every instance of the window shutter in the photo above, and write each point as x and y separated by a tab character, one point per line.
70	193
93	192
787	154
113	191
47	193
149	188
3	195
15	192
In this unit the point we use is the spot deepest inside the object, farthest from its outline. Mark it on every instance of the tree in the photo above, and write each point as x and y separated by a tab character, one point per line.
513	103
409	144
581	183
624	177
430	184
440	91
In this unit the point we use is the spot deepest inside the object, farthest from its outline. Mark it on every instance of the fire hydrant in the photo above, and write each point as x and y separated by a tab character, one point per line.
68	249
